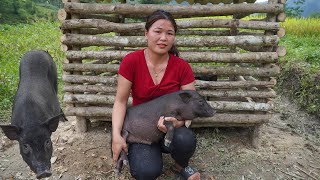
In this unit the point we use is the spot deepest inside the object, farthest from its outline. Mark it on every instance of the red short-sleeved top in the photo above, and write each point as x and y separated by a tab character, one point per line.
134	68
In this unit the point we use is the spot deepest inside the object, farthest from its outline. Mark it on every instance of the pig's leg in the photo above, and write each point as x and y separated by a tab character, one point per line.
169	135
123	158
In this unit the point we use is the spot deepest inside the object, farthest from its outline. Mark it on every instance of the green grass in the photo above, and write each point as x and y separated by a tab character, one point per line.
15	40
300	74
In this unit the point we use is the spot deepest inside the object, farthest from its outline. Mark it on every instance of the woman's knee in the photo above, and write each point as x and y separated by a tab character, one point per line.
146	173
184	138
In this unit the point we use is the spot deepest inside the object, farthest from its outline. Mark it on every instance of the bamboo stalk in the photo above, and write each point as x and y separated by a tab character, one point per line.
251	57
199	10
205	69
139	41
108	26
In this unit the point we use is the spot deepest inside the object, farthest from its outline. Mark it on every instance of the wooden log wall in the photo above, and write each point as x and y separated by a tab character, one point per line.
226	41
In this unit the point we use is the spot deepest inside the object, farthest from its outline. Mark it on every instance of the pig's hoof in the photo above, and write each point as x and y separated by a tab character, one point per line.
167	142
125	162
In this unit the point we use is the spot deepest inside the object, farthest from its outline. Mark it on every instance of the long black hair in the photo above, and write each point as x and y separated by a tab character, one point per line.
161	14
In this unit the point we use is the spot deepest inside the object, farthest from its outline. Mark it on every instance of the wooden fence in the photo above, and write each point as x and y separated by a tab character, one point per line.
224	40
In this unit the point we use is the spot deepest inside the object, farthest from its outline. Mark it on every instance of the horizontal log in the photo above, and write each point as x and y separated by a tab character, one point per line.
111	81
204	69
139	41
238	93
89	79
231	119
185	32
197	10
74	88
108	26
95	31
218	118
89	88
218	105
212	93
191	57
233	84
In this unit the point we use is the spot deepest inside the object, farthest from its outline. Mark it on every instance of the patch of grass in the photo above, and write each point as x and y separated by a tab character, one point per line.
300	74
16	40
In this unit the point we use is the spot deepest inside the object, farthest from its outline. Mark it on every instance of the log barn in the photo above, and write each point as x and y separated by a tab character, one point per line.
235	42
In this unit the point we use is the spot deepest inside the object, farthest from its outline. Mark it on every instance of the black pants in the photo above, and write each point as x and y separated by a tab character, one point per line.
146	160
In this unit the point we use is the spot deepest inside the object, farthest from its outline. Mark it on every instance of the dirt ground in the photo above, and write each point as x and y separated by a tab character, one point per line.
290	149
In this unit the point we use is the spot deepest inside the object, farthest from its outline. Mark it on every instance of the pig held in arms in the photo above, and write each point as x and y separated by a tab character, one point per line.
140	123
36	111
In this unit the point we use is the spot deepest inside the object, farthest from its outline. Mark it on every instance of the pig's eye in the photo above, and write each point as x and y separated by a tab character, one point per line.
47	143
25	148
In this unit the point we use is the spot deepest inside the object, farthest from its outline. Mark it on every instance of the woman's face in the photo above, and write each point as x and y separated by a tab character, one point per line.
160	36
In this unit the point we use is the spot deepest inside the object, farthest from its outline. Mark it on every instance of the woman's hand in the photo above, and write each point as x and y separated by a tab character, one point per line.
118	144
162	127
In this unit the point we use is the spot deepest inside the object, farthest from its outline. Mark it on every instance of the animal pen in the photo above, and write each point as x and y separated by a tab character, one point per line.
225	38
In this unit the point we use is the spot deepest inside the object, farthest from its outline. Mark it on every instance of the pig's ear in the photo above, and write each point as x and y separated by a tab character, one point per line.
52	123
11	131
185	97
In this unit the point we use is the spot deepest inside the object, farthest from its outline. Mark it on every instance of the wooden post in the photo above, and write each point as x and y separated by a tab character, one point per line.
82	123
256	136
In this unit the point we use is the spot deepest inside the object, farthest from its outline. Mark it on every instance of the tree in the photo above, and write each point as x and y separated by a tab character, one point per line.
296	10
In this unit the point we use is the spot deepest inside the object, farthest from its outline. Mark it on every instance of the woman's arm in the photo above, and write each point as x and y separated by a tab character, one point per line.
118	114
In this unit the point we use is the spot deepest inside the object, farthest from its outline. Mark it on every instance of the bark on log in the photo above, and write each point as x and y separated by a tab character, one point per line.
240	106
191	57
232	70
232	84
199	10
182	24
218	105
184	32
213	93
112	81
89	79
89	88
91	99
238	93
139	41
205	69
219	118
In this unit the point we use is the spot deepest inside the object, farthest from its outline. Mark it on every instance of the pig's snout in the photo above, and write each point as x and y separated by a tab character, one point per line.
43	173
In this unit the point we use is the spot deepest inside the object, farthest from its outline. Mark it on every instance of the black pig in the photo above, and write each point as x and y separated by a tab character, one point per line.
36	111
140	123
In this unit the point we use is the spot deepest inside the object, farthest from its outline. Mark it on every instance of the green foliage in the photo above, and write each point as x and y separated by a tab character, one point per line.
14	42
302	27
25	11
296	10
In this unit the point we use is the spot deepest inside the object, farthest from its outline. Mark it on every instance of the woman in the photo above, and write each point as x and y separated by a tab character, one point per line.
147	74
